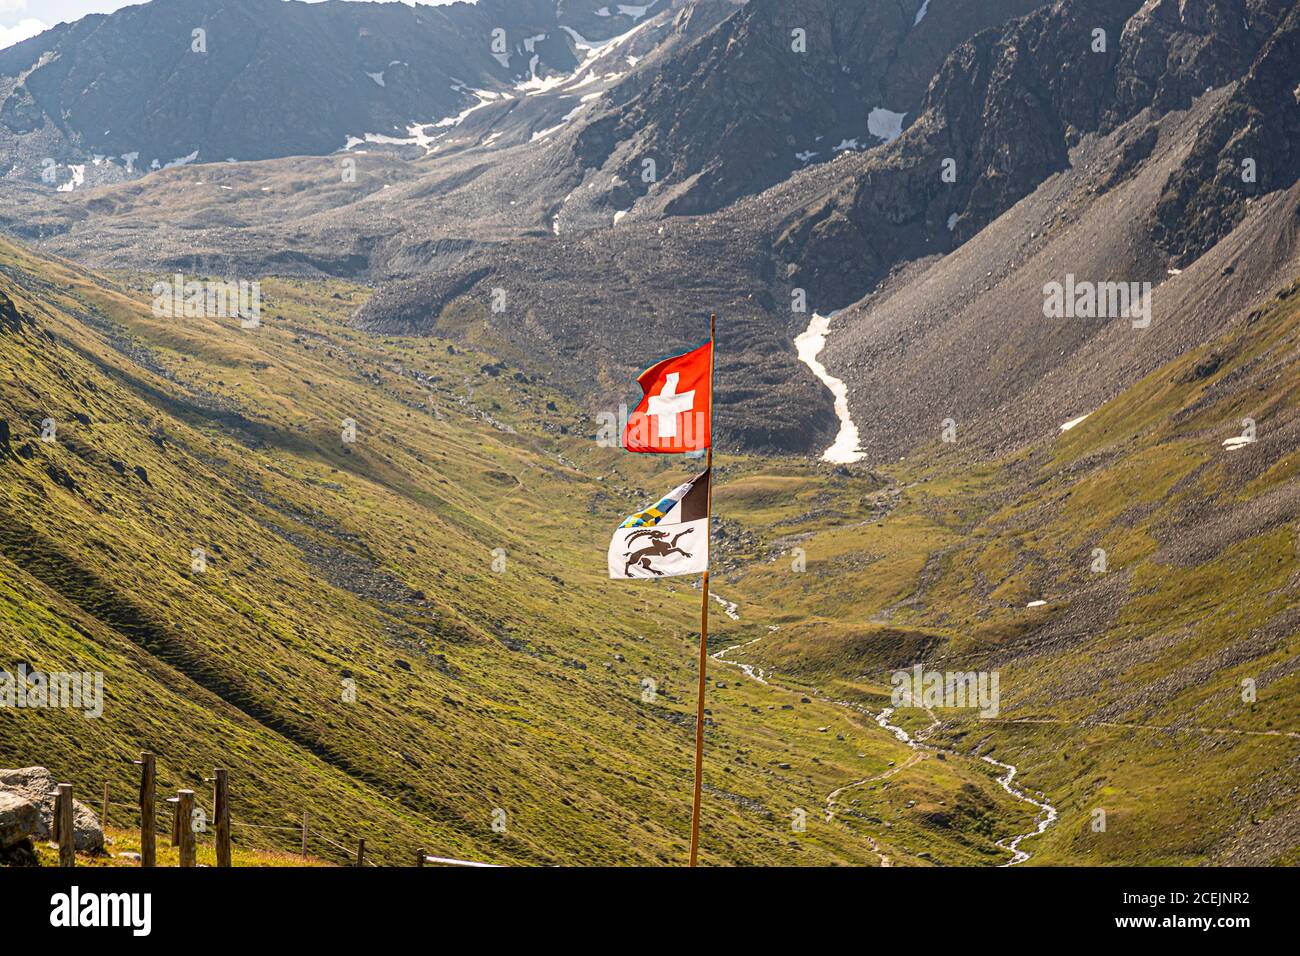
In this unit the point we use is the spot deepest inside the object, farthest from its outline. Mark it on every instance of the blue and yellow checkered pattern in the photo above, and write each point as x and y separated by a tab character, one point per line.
652	515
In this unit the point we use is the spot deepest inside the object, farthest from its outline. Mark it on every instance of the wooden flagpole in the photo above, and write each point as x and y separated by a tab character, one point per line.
704	616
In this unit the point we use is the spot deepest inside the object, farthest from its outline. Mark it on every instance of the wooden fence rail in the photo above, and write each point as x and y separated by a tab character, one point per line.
183	822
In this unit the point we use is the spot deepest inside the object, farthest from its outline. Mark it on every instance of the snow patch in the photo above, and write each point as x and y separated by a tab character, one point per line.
920	14
591	51
484	98
377	77
885	124
580	41
1073	421
560	125
182	161
78	178
847	446
415	136
1238	441
585	81
536	84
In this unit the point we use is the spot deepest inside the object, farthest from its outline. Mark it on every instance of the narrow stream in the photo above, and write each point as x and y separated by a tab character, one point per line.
1046	815
1046	812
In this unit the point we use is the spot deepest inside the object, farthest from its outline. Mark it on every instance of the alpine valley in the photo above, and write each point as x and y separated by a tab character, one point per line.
462	230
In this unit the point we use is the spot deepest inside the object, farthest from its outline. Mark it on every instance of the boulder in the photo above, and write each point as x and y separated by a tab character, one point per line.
19	819
35	785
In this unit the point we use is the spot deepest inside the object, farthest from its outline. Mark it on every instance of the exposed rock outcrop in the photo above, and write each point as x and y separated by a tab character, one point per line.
19	820
771	89
1008	106
11	320
35	786
1249	148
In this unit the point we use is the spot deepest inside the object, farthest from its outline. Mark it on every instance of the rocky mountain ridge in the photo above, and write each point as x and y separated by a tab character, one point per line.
179	81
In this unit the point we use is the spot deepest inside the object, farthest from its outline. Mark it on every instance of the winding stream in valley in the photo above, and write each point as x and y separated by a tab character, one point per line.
1046	813
846	449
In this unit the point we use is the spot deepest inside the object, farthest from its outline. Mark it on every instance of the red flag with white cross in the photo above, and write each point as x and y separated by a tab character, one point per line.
675	413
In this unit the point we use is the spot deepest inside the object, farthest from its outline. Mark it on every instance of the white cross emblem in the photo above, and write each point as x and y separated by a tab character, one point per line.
665	406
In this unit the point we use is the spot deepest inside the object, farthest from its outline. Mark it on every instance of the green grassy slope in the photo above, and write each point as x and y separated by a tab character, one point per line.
522	689
1123	691
476	689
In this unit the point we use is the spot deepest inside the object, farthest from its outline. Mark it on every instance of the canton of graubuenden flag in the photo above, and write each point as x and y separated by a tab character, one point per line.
670	537
676	407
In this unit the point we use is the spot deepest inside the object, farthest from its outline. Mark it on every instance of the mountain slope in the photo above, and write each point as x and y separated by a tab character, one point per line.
492	663
1256	131
964	337
770	89
268	78
560	153
388	199
1101	511
1111	216
1094	193
1004	111
1133	583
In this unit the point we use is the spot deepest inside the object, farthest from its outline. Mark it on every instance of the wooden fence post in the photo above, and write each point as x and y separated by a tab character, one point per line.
174	834
361	852
185	825
103	817
304	834
148	839
419	856
221	807
64	830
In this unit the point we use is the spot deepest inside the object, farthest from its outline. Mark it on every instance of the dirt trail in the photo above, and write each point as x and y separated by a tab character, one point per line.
1086	722
833	796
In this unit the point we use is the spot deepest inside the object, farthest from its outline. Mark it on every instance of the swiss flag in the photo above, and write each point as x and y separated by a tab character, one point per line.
676	410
